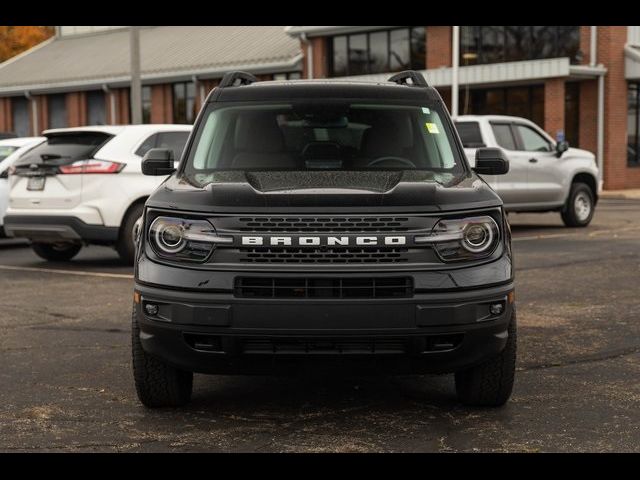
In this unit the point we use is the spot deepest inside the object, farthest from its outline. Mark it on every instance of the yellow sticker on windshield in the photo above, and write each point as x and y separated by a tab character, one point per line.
432	128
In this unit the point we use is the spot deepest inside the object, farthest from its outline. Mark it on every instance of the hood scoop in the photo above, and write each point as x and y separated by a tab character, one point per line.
304	181
325	189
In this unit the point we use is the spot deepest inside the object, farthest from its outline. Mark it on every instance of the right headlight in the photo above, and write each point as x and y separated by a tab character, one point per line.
463	238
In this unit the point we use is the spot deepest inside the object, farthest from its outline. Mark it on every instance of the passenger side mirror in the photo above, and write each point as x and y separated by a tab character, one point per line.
561	147
158	161
491	161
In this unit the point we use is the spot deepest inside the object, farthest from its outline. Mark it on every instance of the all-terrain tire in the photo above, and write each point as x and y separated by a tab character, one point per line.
580	206
126	246
157	383
55	252
490	383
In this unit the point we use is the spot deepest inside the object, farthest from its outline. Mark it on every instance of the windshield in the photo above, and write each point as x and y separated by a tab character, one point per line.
331	135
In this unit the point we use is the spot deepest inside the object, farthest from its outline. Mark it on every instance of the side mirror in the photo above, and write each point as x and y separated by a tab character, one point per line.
158	161
561	147
491	161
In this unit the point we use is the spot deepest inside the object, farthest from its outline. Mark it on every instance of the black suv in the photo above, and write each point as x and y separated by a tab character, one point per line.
324	224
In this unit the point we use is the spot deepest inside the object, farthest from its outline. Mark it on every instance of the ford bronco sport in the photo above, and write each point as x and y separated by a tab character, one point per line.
324	224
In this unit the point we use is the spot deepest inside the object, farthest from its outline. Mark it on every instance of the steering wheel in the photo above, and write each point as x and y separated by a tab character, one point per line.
403	161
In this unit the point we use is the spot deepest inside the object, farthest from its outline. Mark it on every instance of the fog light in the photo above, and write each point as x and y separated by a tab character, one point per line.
151	309
496	308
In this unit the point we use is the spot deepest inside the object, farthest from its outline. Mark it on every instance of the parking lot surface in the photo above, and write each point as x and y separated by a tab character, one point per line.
66	381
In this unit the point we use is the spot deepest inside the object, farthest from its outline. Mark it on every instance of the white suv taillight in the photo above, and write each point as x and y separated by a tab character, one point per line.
91	166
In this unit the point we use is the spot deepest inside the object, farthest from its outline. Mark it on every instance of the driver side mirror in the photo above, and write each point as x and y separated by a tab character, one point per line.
158	161
491	161
561	147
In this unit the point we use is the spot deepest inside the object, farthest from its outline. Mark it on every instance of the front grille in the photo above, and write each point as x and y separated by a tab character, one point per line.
269	287
323	255
306	346
324	224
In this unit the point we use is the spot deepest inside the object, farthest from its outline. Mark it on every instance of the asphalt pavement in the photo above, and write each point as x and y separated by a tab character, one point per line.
66	382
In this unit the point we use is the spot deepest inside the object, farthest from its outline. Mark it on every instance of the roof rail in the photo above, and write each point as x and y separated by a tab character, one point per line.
230	78
417	80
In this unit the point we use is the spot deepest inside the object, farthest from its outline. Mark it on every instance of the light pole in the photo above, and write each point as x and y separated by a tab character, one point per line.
136	86
454	70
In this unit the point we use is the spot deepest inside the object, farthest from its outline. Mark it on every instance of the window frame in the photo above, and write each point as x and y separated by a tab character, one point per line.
368	33
636	163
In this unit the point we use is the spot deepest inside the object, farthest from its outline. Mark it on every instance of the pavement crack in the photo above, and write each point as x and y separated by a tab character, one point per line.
587	359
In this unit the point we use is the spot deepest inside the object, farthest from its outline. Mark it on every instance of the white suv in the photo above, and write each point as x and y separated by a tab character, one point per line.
85	186
10	150
544	175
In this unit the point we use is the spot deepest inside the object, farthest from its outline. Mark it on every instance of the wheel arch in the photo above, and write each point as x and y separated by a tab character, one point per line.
135	203
589	180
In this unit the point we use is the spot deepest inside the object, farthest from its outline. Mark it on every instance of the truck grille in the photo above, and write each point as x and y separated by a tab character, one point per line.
269	287
318	255
324	224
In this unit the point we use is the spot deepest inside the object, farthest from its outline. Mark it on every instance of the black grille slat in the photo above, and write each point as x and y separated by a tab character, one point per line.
321	287
323	255
324	224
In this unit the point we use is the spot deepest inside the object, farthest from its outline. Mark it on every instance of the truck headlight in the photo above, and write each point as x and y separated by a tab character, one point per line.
463	238
183	239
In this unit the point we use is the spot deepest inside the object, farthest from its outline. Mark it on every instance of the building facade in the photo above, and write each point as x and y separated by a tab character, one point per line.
581	83
81	76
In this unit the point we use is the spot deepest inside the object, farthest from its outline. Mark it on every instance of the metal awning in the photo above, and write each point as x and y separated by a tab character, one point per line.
502	73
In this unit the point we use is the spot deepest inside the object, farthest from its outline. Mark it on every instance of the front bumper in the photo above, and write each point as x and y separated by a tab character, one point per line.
433	332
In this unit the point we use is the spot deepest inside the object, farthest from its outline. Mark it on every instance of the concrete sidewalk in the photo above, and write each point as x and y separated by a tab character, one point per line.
631	194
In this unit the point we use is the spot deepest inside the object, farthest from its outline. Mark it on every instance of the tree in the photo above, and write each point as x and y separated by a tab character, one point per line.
15	39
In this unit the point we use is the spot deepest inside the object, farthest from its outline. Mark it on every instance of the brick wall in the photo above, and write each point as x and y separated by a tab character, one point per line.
587	135
6	120
438	46
611	42
554	106
76	109
320	47
161	104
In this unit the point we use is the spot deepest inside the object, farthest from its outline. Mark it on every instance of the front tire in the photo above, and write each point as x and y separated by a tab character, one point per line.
580	206
490	383
56	252
126	246
157	383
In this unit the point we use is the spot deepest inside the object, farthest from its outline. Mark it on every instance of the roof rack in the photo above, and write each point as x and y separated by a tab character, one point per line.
417	80
230	78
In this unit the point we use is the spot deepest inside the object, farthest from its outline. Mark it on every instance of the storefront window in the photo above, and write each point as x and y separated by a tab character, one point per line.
146	104
572	113
378	52
20	116
526	102
96	112
184	110
57	108
487	44
633	124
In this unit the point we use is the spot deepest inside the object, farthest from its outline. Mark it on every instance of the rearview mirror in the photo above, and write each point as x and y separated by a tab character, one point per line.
491	161
158	161
561	147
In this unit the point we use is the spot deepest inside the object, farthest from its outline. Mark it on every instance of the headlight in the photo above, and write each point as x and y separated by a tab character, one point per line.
463	238
183	239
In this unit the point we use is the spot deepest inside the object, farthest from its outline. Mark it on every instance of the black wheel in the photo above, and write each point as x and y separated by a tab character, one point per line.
580	206
56	252
490	383
126	247
157	383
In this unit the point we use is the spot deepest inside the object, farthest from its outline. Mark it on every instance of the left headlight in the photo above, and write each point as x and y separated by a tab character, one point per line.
463	238
183	239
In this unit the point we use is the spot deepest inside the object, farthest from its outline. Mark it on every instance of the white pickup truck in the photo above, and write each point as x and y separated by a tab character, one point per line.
544	175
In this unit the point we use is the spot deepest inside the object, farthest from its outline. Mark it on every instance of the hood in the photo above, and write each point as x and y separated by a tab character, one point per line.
324	191
578	152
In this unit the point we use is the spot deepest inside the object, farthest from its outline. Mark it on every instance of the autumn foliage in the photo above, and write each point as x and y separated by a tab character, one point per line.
16	39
